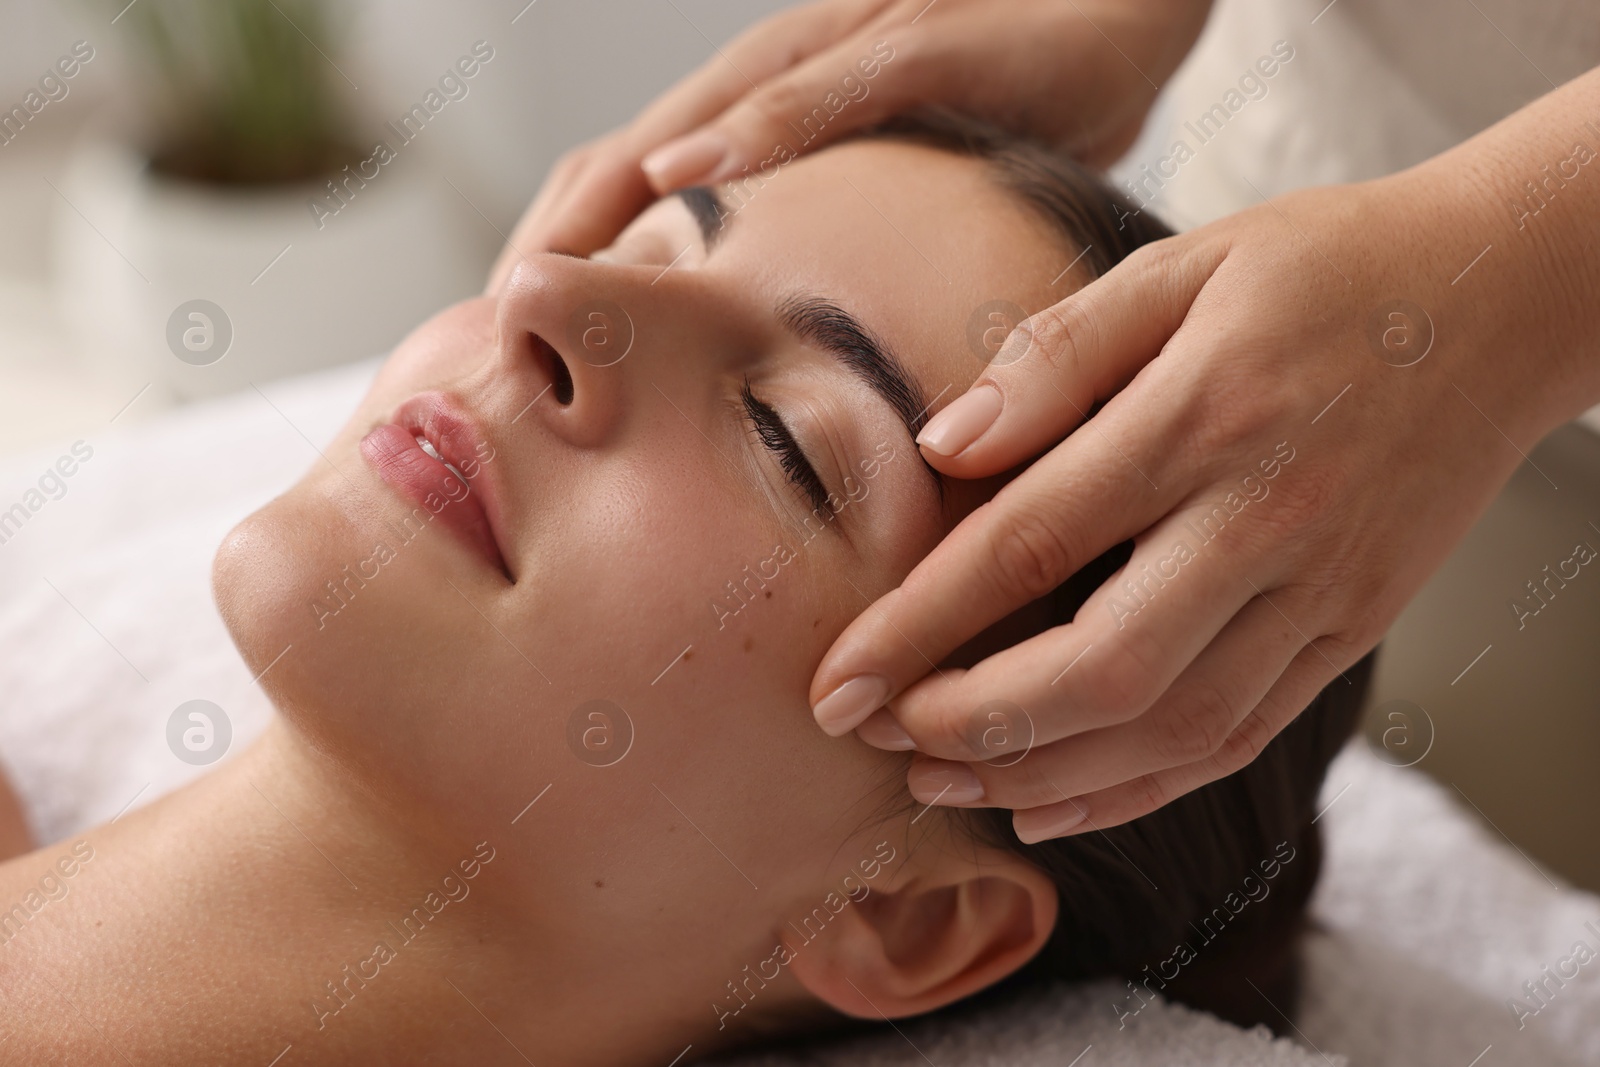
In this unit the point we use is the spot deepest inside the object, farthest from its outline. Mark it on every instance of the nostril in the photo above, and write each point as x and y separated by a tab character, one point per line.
561	381
551	361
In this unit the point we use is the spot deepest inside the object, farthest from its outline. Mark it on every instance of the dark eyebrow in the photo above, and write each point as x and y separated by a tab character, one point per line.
828	326
816	321
710	214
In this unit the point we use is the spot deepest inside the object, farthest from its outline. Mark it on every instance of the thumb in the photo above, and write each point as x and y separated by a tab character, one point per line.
836	92
1054	365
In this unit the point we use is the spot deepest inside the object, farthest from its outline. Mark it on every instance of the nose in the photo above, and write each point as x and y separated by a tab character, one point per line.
568	320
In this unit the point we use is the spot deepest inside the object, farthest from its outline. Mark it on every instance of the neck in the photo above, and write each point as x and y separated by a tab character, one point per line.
270	906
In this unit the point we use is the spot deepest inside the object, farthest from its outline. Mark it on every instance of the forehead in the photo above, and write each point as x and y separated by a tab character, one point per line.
912	240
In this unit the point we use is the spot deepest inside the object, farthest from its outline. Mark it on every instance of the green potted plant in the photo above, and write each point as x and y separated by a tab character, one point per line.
242	92
230	120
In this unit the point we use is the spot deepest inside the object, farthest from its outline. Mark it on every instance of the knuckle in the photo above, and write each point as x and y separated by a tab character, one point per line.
1368	601
1144	795
1310	497
946	734
1347	646
1200	728
1155	255
1031	556
1243	744
1127	682
618	151
1026	785
922	51
938	718
777	101
1061	334
1233	412
573	160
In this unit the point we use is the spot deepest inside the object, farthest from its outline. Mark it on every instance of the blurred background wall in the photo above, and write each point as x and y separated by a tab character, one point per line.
96	256
97	264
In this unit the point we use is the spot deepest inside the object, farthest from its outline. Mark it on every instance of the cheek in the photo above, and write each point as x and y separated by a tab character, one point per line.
672	574
698	691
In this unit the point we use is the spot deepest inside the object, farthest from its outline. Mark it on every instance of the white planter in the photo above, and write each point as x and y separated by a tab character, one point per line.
131	247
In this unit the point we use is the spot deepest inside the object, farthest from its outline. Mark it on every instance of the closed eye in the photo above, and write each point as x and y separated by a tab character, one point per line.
774	434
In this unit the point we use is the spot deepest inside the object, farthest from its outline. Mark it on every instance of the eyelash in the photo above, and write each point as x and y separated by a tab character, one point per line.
769	426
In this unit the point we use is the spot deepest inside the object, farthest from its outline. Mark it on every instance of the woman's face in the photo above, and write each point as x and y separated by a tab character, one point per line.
682	472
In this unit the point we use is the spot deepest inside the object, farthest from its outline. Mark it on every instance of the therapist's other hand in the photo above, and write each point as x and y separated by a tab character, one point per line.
1080	75
1287	483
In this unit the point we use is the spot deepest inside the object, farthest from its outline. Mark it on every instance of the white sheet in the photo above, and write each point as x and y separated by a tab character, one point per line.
1430	920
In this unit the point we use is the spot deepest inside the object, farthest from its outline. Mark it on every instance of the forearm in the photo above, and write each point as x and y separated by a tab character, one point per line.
1115	55
1525	196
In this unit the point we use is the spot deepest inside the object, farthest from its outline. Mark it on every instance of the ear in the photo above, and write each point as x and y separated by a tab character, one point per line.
956	925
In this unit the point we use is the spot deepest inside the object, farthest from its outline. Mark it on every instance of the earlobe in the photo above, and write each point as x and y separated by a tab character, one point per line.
936	938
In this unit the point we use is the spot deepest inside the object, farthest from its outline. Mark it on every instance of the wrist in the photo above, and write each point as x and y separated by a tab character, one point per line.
1510	293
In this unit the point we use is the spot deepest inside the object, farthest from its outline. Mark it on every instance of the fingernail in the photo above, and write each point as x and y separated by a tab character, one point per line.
844	709
1033	825
677	162
963	422
945	783
880	730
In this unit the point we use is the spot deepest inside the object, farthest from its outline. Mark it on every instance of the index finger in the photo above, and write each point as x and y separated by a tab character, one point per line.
1080	499
586	202
769	48
1055	365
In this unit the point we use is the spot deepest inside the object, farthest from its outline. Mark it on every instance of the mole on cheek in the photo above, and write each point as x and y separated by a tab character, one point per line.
749	643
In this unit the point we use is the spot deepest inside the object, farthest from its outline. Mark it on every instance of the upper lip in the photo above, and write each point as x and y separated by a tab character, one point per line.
444	421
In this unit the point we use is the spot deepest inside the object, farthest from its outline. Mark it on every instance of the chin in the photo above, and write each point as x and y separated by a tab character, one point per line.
356	648
282	581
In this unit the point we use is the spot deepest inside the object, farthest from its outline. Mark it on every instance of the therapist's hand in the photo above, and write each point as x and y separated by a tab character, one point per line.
1287	482
1080	74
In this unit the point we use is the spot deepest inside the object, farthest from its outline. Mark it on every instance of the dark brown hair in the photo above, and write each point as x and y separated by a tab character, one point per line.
1179	902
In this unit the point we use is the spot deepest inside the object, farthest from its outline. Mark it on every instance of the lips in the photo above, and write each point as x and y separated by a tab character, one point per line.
434	454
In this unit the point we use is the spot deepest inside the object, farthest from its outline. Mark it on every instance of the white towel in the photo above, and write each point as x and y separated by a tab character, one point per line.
1061	1026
